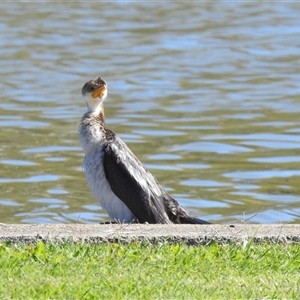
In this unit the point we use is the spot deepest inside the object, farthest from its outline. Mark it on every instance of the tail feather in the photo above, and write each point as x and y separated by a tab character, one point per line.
192	220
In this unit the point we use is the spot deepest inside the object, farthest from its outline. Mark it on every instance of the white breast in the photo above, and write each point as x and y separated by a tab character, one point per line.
95	174
92	141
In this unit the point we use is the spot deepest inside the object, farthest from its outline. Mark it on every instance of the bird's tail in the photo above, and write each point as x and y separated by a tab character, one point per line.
192	220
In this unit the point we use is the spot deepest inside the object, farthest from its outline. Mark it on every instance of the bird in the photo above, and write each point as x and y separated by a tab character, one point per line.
126	190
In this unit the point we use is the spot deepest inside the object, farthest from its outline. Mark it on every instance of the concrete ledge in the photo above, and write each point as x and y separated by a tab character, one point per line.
126	233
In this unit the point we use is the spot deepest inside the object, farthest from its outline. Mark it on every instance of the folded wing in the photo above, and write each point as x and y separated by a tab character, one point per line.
132	183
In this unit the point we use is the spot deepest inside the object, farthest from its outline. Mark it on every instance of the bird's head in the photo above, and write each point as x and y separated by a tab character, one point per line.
94	93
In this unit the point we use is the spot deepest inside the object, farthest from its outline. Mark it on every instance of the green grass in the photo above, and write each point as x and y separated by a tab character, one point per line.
144	271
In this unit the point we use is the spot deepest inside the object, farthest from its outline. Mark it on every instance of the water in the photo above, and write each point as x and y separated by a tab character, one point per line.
206	94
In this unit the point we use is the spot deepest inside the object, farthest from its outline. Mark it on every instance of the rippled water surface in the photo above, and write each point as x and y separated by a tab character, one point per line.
206	94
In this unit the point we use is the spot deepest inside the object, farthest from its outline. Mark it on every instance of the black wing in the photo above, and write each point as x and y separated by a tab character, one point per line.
133	183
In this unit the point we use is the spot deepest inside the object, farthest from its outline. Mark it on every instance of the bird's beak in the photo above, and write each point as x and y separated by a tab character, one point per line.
99	92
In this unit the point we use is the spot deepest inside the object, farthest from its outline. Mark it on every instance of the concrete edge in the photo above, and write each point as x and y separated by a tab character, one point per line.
157	233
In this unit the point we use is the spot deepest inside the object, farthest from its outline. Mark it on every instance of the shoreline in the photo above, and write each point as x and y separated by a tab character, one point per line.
152	233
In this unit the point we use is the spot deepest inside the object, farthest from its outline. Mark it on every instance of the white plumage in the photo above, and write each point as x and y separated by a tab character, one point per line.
93	141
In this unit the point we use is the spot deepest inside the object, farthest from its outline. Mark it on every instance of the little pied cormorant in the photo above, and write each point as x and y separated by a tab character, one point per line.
126	190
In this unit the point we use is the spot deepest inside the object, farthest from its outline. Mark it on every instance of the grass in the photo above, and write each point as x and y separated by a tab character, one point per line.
144	271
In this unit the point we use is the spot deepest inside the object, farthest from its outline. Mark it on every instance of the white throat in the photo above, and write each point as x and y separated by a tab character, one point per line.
95	104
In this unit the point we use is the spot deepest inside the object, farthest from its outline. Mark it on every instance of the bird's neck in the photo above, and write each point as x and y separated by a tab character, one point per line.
98	113
92	130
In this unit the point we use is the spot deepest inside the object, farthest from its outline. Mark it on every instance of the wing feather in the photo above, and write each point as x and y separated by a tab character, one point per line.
133	183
